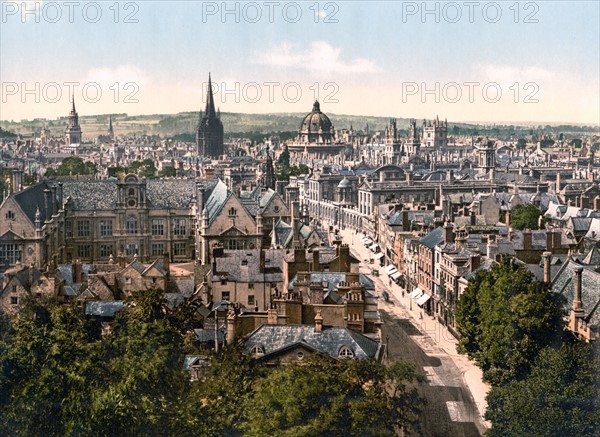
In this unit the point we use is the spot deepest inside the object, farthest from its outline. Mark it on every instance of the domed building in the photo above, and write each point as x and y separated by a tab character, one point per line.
316	127
316	138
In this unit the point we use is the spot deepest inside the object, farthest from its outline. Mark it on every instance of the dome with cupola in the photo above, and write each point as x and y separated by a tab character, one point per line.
316	127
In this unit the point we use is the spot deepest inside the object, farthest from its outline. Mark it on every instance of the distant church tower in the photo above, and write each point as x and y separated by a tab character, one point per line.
111	132
73	131
269	172
209	135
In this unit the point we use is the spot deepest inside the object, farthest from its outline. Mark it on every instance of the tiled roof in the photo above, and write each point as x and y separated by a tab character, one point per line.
274	338
215	196
244	266
170	193
333	279
32	198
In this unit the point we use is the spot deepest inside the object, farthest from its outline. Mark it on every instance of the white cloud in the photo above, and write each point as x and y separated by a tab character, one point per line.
320	57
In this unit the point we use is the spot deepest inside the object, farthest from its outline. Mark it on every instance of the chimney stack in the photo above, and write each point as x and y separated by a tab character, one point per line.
17	180
231	328
546	256
448	233
167	263
272	316
318	322
527	239
475	261
577	304
60	196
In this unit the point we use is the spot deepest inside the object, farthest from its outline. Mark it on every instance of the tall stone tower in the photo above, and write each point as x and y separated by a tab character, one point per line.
209	135
111	132
73	131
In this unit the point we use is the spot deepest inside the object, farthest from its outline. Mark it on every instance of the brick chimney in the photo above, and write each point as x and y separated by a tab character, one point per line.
77	272
597	203
448	233
316	265
167	263
344	257
316	293
527	239
473	218
546	257
299	255
272	316
405	221
475	261
318	322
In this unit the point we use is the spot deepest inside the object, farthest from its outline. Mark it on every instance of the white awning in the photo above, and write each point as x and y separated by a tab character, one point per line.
423	299
390	269
374	247
396	275
378	255
368	242
416	293
364	240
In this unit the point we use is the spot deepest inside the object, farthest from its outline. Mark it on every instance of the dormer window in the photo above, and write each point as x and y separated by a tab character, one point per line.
345	352
258	350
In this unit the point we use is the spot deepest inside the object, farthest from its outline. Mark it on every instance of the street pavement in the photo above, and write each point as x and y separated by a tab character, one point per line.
454	391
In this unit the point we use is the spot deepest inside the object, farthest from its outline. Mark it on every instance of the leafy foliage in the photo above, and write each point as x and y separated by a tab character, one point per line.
284	173
284	158
168	172
60	376
145	169
560	397
525	217
504	318
73	166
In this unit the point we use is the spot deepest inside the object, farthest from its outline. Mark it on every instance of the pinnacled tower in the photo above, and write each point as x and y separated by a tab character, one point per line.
209	135
111	132
269	172
73	131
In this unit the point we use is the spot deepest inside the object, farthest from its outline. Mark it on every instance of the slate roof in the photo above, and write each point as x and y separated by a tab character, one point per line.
564	283
103	308
66	272
191	360
170	193
274	338
592	257
32	198
215	196
434	238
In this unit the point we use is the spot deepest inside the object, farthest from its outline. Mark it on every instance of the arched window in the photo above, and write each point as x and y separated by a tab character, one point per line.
232	212
131	192
345	352
132	225
10	215
258	350
300	355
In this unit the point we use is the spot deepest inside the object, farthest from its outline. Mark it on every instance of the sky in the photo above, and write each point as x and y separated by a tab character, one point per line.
476	61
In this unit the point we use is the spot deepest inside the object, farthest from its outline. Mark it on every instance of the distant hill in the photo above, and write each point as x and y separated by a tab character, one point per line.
237	124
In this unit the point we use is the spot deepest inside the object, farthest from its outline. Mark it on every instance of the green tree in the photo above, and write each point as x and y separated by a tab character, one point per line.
168	172
324	397
284	158
526	217
73	166
521	143
560	398
576	142
504	318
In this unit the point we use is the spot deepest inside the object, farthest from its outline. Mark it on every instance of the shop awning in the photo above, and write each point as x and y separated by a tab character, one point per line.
395	276
423	299
374	247
390	269
364	240
416	293
378	255
368	242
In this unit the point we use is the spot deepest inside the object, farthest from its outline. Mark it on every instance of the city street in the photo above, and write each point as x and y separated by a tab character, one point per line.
454	391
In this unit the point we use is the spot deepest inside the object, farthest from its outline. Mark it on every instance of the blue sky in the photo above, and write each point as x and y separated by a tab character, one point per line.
379	58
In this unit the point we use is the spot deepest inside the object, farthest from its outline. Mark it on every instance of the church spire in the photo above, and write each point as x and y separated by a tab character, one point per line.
73	108
210	102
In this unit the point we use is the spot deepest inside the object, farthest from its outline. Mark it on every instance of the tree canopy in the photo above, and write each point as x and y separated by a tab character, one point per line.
504	318
560	397
59	375
73	166
526	217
